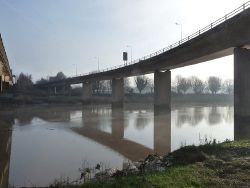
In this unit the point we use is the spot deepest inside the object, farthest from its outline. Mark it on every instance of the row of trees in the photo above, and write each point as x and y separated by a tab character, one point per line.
195	85
24	81
181	85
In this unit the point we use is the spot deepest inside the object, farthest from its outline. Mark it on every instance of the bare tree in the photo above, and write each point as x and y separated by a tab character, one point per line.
182	84
24	81
101	86
228	86
214	84
141	83
151	85
106	86
127	87
197	85
42	81
59	76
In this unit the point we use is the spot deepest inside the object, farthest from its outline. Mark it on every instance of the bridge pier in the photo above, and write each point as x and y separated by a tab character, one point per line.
87	92
55	91
117	92
162	90
242	83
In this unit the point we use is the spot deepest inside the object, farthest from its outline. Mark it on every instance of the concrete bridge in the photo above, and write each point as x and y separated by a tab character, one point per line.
5	72
226	36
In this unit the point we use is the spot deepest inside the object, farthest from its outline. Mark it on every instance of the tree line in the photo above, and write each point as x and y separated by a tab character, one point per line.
195	85
144	84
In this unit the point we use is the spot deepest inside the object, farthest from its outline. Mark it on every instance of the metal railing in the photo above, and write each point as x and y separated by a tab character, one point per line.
184	40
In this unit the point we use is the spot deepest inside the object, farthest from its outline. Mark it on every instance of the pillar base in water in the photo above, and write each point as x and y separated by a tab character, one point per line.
242	83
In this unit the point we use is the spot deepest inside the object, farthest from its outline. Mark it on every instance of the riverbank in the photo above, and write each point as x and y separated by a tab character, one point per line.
25	99
225	164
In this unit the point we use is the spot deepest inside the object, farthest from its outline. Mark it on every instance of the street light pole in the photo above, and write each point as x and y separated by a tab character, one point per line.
129	46
179	24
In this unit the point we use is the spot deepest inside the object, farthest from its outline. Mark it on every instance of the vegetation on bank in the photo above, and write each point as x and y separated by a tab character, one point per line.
141	84
203	99
210	165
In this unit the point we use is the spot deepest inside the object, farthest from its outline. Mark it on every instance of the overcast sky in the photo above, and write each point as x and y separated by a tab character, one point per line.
43	37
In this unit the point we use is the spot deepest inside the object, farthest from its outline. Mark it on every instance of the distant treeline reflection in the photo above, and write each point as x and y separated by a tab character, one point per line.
212	115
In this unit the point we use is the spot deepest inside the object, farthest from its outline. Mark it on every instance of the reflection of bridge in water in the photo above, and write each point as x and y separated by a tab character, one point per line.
116	141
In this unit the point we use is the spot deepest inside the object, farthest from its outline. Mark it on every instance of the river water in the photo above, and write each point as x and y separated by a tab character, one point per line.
41	144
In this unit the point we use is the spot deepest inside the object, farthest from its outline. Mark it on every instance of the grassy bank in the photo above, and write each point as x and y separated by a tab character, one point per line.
210	165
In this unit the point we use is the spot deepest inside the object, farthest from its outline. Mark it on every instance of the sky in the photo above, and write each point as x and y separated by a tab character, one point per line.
43	37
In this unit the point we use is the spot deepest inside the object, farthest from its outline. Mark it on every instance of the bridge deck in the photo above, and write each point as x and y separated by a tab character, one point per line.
214	41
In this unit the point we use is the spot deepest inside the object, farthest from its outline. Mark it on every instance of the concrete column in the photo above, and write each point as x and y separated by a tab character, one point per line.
87	92
162	89
242	83
117	92
241	129
55	90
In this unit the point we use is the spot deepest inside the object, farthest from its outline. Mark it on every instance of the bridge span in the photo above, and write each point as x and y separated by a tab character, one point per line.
226	36
5	72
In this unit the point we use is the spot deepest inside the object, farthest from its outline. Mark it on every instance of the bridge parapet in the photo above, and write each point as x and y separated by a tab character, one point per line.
3	55
5	71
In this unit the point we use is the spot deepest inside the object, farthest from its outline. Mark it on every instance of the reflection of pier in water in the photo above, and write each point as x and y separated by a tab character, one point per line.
116	141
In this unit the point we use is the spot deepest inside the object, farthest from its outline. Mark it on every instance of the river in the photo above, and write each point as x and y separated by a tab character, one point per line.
42	143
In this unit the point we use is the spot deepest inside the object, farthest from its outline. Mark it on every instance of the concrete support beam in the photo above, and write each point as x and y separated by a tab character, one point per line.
241	129
87	92
162	89
242	83
117	92
55	90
